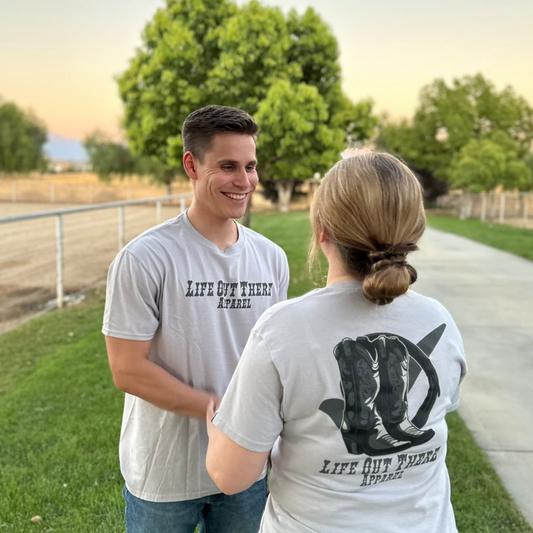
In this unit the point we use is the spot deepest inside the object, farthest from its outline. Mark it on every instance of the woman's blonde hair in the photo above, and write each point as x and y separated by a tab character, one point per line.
371	207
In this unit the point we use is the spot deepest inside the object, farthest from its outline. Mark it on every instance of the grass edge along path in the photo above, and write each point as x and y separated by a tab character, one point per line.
60	419
517	241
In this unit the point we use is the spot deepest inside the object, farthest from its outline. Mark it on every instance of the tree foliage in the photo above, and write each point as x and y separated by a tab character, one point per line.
200	52
483	164
450	118
109	159
22	136
166	79
254	51
296	139
529	161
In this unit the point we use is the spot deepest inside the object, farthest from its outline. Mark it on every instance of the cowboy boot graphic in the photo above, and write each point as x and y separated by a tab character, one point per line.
395	354
362	428
377	372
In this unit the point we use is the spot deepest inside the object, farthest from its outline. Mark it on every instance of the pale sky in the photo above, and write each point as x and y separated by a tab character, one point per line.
59	57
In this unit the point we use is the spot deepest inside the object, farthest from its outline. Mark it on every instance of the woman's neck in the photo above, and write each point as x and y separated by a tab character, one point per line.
338	274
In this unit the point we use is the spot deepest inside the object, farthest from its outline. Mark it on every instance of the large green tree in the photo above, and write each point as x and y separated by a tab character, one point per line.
22	136
167	78
199	52
296	139
482	165
449	117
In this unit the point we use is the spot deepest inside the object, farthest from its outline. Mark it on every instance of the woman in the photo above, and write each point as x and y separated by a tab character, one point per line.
355	379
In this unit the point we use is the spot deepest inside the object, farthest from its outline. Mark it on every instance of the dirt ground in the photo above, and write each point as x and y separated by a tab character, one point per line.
28	254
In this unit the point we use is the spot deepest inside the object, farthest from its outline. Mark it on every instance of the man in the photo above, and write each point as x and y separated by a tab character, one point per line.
182	299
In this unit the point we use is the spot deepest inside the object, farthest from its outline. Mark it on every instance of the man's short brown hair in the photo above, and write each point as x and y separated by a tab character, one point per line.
201	126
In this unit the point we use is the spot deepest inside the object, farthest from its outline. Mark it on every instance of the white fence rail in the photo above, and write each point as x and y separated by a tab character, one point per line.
47	256
72	189
511	208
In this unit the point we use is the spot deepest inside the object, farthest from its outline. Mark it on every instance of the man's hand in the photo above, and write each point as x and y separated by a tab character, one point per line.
212	431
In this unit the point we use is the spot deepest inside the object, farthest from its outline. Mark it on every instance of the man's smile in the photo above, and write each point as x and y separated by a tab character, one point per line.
235	196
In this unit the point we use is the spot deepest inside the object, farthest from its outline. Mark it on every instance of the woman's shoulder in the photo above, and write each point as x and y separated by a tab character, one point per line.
423	304
283	312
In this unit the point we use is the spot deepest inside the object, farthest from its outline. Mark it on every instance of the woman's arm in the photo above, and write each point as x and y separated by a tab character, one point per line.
232	467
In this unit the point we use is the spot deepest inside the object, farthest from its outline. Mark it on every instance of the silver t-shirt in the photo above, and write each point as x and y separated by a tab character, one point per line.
197	305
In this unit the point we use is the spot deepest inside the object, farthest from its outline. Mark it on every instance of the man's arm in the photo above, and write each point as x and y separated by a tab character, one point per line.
135	374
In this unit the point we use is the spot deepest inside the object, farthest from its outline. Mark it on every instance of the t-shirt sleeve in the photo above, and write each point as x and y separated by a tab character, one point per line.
131	310
284	278
460	368
250	412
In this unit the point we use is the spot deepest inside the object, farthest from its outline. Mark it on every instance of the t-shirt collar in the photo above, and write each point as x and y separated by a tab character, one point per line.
198	237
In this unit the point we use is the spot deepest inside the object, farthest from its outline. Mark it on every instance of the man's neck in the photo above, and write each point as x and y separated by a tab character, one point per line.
222	233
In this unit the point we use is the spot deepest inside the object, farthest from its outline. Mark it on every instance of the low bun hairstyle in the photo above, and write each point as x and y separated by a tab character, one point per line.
371	207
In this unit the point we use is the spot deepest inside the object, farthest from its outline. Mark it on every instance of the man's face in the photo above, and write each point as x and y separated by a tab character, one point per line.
227	177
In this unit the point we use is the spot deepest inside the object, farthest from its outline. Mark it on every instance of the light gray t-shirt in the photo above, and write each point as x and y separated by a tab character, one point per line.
357	394
197	304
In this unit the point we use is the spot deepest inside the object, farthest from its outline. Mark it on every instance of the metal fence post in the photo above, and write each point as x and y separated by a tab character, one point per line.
502	207
121	227
158	216
59	261
62	261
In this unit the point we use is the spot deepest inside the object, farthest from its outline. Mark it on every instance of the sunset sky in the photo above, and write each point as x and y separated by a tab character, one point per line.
59	57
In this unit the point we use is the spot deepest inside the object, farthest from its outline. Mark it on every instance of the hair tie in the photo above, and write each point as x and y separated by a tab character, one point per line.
392	251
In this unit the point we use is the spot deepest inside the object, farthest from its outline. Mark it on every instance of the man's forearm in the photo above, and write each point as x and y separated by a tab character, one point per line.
155	385
135	374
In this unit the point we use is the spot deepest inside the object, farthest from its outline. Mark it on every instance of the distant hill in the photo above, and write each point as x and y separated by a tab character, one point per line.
58	147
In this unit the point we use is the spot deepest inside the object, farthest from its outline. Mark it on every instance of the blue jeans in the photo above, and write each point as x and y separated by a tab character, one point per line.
240	513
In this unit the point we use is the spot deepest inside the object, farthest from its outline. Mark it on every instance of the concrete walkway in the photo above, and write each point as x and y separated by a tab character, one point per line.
490	295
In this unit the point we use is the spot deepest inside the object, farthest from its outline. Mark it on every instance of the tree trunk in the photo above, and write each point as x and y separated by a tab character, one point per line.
168	185
492	209
284	189
169	178
469	204
246	219
462	209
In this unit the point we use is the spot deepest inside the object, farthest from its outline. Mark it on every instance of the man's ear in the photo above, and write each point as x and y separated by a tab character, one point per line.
189	165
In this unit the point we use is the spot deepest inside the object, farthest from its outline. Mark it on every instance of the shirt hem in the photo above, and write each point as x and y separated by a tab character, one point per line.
239	439
453	407
126	336
167	498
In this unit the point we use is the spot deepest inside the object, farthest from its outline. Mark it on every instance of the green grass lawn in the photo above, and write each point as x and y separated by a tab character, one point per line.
517	241
60	420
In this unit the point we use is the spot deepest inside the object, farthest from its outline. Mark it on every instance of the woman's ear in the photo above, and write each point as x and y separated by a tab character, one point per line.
324	236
